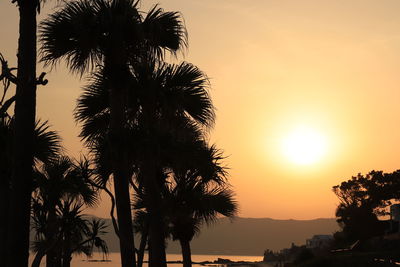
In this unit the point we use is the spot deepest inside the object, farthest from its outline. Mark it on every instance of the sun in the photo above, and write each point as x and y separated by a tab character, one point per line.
304	146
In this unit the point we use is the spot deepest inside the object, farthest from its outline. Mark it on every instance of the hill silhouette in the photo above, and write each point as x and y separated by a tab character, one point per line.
246	236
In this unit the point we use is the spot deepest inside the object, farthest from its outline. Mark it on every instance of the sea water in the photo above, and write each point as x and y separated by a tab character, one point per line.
115	260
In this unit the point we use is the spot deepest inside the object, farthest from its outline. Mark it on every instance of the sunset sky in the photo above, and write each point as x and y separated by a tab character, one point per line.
326	68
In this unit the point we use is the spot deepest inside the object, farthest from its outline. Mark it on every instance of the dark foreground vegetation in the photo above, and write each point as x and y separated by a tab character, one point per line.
144	122
369	217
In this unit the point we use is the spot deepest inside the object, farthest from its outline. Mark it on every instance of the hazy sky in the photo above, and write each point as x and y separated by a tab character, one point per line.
328	65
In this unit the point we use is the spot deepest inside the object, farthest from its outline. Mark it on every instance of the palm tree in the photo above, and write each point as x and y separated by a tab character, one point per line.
6	77
75	234
169	96
195	203
54	181
23	139
141	226
46	144
113	34
162	100
196	192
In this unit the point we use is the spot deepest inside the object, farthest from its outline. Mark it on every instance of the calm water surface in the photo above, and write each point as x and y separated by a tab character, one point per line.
81	261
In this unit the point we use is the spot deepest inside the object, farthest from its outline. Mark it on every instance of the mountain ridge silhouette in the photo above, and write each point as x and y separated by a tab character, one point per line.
245	236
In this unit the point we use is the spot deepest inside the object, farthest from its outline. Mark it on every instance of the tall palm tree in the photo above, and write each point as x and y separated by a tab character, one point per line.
168	95
112	33
55	181
162	99
46	144
23	139
6	78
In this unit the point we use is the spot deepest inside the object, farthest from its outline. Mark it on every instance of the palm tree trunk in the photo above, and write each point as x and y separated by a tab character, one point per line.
21	183
113	220
119	164
67	261
153	198
4	204
157	257
38	258
186	254
142	247
43	251
67	253
51	234
124	219
112	199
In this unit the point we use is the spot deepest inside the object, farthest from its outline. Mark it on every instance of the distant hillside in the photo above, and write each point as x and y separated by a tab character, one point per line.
247	236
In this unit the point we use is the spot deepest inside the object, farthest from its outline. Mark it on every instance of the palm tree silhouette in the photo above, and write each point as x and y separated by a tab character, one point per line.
113	34
141	226
172	98
46	146
54	182
23	140
163	101
195	203
75	234
196	192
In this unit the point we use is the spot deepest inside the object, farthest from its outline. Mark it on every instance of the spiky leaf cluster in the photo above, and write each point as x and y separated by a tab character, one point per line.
84	32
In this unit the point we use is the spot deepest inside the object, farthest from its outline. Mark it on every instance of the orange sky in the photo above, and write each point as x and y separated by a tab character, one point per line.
331	65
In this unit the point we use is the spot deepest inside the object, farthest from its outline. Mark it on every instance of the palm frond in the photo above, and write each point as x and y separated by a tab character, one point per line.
217	201
47	143
95	229
187	88
95	98
164	31
81	179
73	34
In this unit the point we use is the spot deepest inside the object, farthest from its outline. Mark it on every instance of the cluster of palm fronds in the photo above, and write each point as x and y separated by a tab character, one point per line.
62	188
145	122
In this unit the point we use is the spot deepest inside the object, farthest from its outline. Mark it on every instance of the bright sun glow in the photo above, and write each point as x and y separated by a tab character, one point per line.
304	146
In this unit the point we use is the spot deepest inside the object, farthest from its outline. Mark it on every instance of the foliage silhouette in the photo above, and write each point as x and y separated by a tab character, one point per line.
75	233
179	100
23	140
61	189
362	199
194	190
191	203
46	145
191	196
112	34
